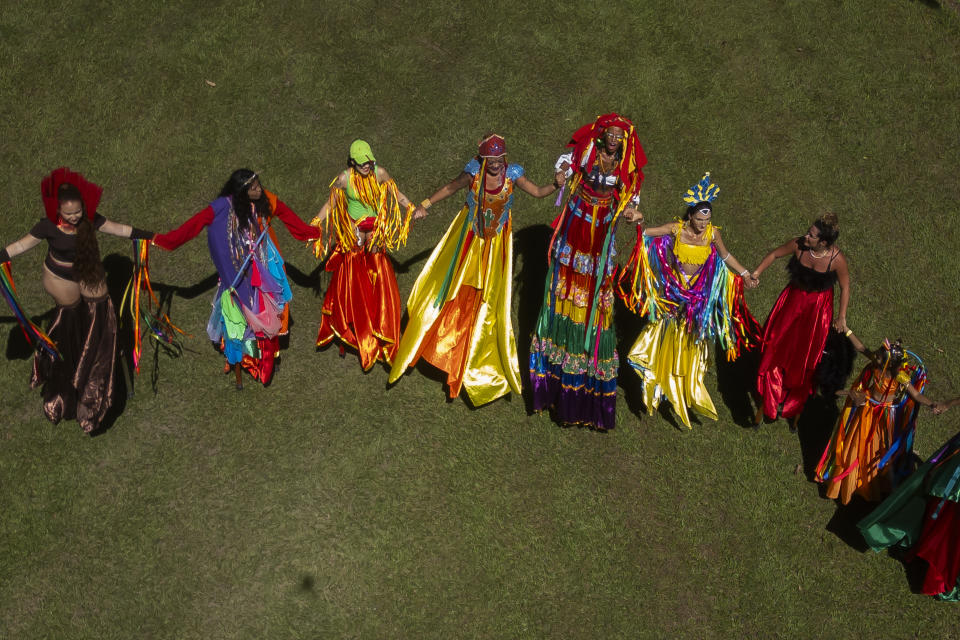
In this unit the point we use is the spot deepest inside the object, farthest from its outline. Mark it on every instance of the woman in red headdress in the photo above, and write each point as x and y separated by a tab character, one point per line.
573	356
460	305
78	375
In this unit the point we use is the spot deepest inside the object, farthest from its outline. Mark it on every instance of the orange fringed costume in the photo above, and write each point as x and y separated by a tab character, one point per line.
362	304
869	451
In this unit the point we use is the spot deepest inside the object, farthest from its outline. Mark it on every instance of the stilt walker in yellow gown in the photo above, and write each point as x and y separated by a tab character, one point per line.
459	308
679	278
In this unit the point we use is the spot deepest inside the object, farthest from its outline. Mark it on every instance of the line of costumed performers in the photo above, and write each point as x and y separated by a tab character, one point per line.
680	278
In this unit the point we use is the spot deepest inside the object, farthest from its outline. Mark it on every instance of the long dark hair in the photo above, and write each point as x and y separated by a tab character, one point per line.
87	265
236	188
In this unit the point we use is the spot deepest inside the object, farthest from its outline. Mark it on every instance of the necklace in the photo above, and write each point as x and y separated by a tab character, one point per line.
814	255
605	165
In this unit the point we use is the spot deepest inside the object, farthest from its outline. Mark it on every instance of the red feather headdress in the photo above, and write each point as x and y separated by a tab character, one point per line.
89	192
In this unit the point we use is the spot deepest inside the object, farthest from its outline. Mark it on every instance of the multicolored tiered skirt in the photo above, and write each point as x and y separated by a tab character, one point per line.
573	356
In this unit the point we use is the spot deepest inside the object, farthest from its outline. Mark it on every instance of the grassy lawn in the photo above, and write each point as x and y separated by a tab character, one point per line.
329	506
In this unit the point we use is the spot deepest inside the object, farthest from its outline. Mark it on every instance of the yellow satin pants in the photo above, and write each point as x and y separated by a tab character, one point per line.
672	366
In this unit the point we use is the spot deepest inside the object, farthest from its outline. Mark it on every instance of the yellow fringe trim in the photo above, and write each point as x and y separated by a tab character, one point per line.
392	225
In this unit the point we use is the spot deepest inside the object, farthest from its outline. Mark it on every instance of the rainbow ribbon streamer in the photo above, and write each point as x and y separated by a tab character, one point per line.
158	324
32	332
900	414
711	303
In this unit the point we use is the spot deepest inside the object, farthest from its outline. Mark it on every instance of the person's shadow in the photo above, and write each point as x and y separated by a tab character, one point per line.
843	524
119	270
628	326
530	246
18	347
735	383
814	429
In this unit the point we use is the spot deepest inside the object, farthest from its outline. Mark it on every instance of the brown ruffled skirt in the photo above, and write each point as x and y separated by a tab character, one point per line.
81	384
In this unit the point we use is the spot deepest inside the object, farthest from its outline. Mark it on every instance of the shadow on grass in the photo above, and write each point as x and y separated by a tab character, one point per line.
843	524
735	383
311	281
18	347
814	429
406	265
915	571
530	251
306	584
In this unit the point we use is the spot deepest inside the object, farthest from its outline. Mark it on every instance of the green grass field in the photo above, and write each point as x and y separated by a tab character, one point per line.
328	506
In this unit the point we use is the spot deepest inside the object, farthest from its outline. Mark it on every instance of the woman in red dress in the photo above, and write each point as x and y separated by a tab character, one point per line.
796	330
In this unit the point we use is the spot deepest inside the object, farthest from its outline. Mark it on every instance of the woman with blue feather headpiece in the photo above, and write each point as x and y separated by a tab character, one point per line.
682	278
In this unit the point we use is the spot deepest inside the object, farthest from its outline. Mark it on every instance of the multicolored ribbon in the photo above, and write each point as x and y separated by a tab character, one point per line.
711	303
158	324
34	335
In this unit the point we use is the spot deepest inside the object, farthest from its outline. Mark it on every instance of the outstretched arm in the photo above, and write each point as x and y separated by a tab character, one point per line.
383	176
732	263
919	397
859	346
843	279
25	243
940	407
460	182
341	183
538	191
125	231
299	229
788	247
185	232
663	230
